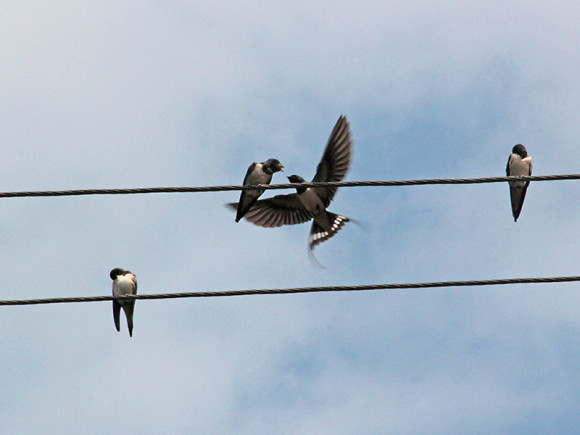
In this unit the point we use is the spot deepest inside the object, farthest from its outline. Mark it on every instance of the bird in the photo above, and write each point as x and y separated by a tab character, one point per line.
310	203
124	283
258	173
519	163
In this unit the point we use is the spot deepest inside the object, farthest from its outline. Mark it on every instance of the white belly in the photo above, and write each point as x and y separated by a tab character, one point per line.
258	176
123	286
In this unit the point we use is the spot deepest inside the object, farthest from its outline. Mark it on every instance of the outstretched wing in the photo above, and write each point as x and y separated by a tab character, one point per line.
277	211
335	161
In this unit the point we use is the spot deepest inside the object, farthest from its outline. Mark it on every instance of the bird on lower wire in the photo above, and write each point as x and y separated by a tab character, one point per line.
124	283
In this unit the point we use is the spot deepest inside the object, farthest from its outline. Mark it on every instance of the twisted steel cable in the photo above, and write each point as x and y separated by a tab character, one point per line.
385	183
403	286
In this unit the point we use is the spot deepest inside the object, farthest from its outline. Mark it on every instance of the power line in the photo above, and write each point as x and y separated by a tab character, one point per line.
133	191
279	291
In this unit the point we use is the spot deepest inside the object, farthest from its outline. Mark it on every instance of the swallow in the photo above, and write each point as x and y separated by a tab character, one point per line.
124	283
519	163
258	173
310	203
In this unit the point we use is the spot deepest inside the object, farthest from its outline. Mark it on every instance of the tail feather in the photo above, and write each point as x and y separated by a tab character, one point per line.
128	309
517	196
116	314
247	200
323	228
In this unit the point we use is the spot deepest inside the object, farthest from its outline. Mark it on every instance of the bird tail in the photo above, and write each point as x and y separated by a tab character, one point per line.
240	213
247	200
517	195
324	227
128	308
116	314
245	204
235	206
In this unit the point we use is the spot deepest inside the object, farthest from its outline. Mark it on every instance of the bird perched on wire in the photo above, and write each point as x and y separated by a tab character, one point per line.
519	163
258	173
124	283
310	203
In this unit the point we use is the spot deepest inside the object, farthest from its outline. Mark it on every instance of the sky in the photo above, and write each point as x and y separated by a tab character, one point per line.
188	93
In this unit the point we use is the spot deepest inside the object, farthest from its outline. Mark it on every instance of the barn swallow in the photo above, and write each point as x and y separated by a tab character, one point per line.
124	283
258	173
310	203
519	163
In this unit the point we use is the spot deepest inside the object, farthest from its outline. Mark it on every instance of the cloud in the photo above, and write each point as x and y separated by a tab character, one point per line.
119	95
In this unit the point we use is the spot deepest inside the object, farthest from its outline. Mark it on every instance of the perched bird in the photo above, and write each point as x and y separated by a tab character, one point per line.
519	163
310	203
258	173
124	283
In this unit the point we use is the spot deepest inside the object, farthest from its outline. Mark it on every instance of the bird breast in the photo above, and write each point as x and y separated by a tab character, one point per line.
258	176
124	285
519	166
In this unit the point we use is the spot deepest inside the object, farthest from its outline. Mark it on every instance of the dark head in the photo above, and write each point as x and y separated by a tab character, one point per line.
272	165
117	272
520	150
296	179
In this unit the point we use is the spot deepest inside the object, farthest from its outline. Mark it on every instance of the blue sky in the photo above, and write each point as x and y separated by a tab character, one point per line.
126	94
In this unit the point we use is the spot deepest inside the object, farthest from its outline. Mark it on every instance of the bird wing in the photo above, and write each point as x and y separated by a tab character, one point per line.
250	170
277	211
335	161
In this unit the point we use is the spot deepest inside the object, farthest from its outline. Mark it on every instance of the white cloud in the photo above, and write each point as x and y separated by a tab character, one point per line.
127	95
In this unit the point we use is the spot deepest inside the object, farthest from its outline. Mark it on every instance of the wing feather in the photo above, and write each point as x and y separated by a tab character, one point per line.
277	211
335	160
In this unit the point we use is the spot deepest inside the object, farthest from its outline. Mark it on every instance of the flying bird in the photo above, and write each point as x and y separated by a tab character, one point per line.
124	283
310	203
258	173
519	163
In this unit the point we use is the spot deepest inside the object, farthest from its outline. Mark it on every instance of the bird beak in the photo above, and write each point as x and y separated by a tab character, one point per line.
281	168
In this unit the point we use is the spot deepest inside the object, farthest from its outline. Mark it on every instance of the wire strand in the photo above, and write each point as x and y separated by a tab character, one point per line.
420	285
386	183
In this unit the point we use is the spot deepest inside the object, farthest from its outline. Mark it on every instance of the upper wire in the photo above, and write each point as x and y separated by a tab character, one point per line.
384	183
